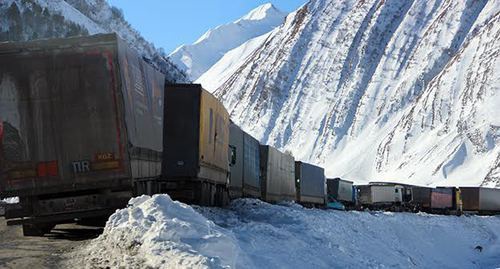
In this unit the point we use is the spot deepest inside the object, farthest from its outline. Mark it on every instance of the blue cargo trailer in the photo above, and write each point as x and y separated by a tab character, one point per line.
310	184
245	171
251	167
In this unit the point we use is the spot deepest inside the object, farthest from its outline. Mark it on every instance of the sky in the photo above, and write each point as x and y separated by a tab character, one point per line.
171	23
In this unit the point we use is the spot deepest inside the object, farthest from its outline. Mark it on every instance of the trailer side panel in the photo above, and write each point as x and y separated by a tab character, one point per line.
237	145
489	199
251	167
442	198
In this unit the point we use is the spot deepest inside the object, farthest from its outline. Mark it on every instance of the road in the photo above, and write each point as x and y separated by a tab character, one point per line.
17	251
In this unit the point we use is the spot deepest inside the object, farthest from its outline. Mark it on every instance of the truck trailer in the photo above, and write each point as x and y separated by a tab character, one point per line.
340	193
245	164
195	165
80	122
480	200
442	199
277	175
310	184
379	195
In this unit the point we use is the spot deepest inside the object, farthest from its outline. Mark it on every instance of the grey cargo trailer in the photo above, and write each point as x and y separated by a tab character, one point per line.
195	166
80	119
245	169
340	190
236	167
277	175
379	194
310	184
480	199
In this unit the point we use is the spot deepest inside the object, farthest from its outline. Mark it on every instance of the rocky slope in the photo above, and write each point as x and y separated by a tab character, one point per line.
33	19
379	90
197	58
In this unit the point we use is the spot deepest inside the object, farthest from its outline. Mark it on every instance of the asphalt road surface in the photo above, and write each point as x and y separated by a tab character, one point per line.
18	251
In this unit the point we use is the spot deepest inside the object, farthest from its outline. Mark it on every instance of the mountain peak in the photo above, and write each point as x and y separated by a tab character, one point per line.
195	59
262	12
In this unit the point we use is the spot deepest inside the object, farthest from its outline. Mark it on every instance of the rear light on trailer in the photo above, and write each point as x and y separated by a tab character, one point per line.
48	169
30	170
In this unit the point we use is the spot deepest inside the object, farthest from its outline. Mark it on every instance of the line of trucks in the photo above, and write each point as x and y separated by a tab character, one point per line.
86	124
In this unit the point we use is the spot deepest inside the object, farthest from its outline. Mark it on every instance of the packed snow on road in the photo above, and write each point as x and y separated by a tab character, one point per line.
158	232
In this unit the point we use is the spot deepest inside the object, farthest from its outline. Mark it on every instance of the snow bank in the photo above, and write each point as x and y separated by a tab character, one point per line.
161	233
11	200
158	232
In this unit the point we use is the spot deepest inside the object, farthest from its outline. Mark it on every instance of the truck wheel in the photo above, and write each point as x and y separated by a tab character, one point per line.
38	229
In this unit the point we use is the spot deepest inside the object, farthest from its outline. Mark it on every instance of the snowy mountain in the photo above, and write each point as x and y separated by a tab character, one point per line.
197	58
214	77
375	90
33	19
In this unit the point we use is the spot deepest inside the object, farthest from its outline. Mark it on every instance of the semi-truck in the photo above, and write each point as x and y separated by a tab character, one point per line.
80	123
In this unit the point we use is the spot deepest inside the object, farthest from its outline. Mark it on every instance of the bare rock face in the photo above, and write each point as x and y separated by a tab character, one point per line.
379	90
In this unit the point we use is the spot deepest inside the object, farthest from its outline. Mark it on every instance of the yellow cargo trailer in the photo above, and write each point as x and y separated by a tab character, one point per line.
196	146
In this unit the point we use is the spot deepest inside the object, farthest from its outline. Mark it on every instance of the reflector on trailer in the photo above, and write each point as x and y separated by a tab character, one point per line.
19	174
49	169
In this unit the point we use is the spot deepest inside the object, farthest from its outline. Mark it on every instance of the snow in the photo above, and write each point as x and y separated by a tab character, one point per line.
10	200
197	58
71	14
404	91
228	64
161	233
259	13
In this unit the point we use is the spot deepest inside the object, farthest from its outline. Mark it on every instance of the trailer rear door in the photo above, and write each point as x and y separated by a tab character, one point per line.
58	112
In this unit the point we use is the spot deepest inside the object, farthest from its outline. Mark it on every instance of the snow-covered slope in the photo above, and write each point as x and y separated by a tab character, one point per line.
26	20
377	90
159	233
197	58
214	77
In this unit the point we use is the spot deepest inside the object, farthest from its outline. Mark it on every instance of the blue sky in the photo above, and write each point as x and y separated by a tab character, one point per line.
171	23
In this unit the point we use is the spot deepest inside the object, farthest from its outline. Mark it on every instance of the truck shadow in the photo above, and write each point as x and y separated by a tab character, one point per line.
75	234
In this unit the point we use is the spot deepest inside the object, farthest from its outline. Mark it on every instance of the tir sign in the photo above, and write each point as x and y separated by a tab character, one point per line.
81	167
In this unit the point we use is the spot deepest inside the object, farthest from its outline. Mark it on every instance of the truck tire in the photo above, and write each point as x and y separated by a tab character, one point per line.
37	229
